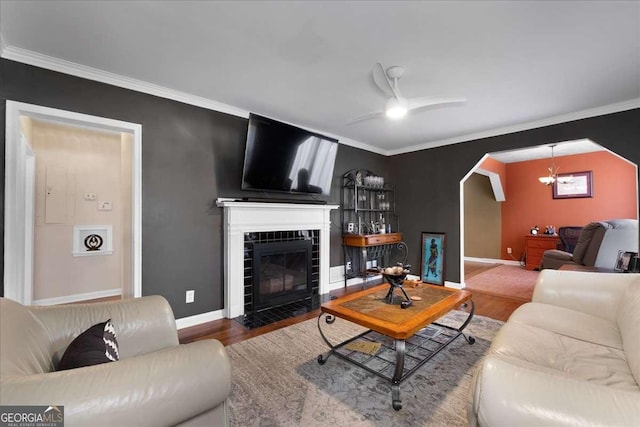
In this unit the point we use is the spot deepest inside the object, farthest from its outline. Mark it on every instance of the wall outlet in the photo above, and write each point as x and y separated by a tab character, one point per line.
90	196
348	265
105	206
191	296
508	250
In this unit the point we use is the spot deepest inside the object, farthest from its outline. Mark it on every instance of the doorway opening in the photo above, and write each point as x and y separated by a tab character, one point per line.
67	173
527	202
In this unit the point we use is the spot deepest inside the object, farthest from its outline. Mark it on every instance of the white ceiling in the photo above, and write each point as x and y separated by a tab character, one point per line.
566	148
520	64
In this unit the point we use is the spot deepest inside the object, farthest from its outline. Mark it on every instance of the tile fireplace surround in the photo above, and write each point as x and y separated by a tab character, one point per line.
246	217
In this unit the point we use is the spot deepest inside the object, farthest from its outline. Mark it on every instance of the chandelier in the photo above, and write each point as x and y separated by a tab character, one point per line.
553	173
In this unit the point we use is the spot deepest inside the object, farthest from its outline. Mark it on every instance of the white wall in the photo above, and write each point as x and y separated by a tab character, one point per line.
87	161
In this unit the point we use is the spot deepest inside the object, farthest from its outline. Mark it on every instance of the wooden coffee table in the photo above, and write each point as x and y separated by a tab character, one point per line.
409	334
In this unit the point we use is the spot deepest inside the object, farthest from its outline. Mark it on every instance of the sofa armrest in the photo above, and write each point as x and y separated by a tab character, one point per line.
554	259
157	389
558	255
513	394
142	324
598	294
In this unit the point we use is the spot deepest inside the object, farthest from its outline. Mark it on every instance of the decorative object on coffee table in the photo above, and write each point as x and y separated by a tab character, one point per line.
395	278
433	258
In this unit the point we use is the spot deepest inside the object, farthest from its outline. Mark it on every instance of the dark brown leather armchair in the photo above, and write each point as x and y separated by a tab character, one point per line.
598	245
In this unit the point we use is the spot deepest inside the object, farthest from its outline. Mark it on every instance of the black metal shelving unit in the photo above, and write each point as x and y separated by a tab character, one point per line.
368	204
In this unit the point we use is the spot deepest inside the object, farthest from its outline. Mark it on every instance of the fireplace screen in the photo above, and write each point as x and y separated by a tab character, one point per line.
282	272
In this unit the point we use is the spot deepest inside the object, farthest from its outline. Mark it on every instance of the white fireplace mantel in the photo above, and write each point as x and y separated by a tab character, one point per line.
246	217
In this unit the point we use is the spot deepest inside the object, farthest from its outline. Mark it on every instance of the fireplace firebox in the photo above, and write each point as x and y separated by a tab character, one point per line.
281	273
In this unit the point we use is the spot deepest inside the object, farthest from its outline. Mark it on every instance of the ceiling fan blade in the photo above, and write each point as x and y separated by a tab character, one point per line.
365	117
380	84
394	89
427	101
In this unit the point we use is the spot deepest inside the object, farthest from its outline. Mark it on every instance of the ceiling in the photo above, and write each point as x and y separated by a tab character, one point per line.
565	148
520	64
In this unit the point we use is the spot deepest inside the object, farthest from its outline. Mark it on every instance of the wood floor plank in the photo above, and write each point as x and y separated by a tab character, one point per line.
229	331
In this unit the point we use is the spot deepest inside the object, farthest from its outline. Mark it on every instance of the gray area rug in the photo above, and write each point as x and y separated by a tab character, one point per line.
277	381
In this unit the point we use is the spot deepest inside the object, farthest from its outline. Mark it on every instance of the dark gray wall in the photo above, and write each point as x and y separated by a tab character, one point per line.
428	181
190	157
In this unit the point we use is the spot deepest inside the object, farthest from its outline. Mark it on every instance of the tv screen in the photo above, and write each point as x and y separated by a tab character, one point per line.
285	158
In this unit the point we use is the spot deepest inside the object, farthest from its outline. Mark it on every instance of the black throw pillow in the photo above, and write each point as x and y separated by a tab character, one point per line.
96	345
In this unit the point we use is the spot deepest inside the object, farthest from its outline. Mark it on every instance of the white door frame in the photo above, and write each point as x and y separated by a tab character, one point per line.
19	195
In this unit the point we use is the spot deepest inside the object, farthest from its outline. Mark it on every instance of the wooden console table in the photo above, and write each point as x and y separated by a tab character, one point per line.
535	245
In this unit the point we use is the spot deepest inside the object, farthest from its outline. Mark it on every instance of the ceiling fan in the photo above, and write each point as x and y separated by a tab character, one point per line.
398	106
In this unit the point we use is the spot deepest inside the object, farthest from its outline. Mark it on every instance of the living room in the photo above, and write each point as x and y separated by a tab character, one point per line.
193	145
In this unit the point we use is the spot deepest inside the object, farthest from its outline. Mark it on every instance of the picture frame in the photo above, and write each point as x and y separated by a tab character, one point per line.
581	185
623	262
432	264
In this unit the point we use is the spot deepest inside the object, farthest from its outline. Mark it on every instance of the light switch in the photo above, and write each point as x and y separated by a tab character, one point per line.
105	206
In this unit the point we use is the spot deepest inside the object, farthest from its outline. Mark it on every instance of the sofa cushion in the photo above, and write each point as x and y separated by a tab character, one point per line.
629	323
94	346
26	343
570	323
570	357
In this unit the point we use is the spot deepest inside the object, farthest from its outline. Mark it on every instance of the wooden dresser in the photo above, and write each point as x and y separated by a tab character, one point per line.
535	246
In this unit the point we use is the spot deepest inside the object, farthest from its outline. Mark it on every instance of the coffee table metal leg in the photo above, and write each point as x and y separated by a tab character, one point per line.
397	375
469	339
322	359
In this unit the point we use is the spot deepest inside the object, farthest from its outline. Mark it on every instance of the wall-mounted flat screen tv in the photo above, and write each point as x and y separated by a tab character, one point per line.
284	158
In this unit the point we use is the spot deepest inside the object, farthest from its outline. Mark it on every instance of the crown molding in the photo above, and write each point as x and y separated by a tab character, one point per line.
549	121
50	63
60	65
54	64
363	146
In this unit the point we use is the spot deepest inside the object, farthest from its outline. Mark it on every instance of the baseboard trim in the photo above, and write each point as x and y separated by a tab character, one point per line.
492	261
197	319
454	285
78	297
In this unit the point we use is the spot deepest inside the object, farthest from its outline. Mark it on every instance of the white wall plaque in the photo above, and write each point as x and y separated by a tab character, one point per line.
92	240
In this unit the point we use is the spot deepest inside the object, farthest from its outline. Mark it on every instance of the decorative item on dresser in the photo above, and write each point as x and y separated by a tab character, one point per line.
535	245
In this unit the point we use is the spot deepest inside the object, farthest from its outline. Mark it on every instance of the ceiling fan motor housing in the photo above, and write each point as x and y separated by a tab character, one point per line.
395	72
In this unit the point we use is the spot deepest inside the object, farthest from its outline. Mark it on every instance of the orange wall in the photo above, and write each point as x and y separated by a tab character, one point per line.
529	203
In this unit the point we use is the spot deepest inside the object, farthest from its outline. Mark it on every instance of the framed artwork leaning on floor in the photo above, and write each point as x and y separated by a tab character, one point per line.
432	263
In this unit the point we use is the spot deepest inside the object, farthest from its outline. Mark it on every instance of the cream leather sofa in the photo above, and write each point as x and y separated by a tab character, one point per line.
156	382
571	357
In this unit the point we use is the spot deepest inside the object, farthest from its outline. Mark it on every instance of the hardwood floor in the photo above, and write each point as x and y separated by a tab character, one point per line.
230	331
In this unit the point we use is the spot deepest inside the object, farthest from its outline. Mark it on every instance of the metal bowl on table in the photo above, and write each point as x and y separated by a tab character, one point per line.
395	279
